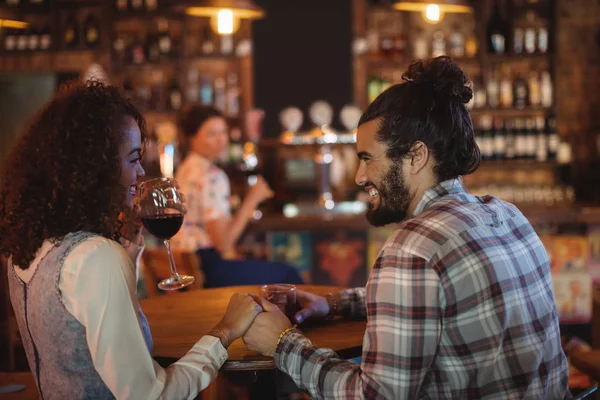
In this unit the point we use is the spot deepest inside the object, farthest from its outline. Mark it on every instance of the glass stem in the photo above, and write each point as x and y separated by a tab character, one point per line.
171	260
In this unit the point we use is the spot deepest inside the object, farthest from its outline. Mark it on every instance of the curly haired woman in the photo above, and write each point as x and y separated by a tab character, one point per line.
72	234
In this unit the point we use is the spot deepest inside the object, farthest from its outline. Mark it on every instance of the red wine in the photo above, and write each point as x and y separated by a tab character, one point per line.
163	226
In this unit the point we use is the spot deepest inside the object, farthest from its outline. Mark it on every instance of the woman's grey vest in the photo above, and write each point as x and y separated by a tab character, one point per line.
54	340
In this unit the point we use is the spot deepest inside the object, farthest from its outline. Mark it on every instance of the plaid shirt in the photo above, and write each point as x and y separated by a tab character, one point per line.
459	305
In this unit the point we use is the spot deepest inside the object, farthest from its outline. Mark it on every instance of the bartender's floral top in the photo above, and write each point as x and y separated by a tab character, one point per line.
459	305
207	190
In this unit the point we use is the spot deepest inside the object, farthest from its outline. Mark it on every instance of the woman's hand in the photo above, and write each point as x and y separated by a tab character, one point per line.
132	226
240	314
260	191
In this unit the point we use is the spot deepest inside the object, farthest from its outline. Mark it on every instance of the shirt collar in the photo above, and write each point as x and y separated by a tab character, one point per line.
431	195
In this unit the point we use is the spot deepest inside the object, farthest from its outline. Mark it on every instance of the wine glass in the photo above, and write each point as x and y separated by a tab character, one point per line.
162	212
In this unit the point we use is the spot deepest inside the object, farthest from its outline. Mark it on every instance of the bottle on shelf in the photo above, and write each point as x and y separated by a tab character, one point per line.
542	140
456	43
546	90
158	99
399	46
226	45
493	90
10	40
509	134
471	46
46	38
91	31
479	92
530	42
487	138
137	5
22	40
543	40
499	140
71	32
233	95
138	52
506	89
496	31
520	93
164	39
438	45
220	100
520	139
206	91
33	40
531	139
175	96
553	138
518	40
386	45
151	5
153	47
208	46
121	5
192	88
420	48
535	93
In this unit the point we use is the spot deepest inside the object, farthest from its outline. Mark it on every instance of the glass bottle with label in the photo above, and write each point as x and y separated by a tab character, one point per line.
542	140
438	45
509	134
22	40
493	91
208	46
456	43
10	40
535	93
518	40
420	48
520	139
506	89
220	95
531	139
546	89
479	93
71	32
499	140
233	95
46	38
91	29
33	41
497	34
542	40
520	93
164	39
175	97
226	45
206	91
471	46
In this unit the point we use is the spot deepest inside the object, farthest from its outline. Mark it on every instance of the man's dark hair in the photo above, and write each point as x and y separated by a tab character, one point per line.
430	106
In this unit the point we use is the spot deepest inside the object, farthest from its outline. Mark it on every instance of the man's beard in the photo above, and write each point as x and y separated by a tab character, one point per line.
394	199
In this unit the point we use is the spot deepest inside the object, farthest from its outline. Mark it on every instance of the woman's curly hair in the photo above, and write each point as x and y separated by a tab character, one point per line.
63	175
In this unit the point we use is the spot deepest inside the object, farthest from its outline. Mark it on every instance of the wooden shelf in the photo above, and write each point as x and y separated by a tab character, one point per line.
525	165
518	58
511	112
52	60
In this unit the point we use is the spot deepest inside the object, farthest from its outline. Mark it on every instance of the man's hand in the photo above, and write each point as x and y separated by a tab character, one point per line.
264	332
313	306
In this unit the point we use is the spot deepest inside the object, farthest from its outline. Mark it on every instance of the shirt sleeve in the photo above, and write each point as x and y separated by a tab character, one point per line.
400	344
216	191
98	288
353	303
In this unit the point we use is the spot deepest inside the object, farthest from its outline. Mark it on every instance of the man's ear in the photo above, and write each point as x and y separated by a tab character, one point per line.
419	157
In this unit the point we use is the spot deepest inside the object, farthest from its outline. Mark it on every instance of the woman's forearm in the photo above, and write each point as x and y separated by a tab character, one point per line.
237	225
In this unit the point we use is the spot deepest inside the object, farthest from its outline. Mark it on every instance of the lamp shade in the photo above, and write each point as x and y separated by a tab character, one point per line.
9	19
445	6
244	9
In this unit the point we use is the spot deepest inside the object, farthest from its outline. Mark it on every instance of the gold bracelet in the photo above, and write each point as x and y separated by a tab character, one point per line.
291	328
225	338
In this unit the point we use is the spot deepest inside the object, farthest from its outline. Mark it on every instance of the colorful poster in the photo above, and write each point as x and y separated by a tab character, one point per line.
294	248
567	252
593	262
340	258
573	296
377	237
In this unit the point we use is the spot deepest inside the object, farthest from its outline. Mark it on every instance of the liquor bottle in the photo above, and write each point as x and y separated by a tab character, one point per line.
506	90
531	139
164	40
33	40
520	93
546	89
438	45
220	98
206	91
121	5
192	89
233	95
520	139
499	140
208	46
153	47
497	34
157	91
535	92
22	40
542	140
518	40
10	40
543	41
137	5
530	42
138	52
399	46
456	42
386	46
471	46
45	38
151	5
71	32
479	93
420	48
553	138
175	97
509	134
487	138
226	45
493	91
91	29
